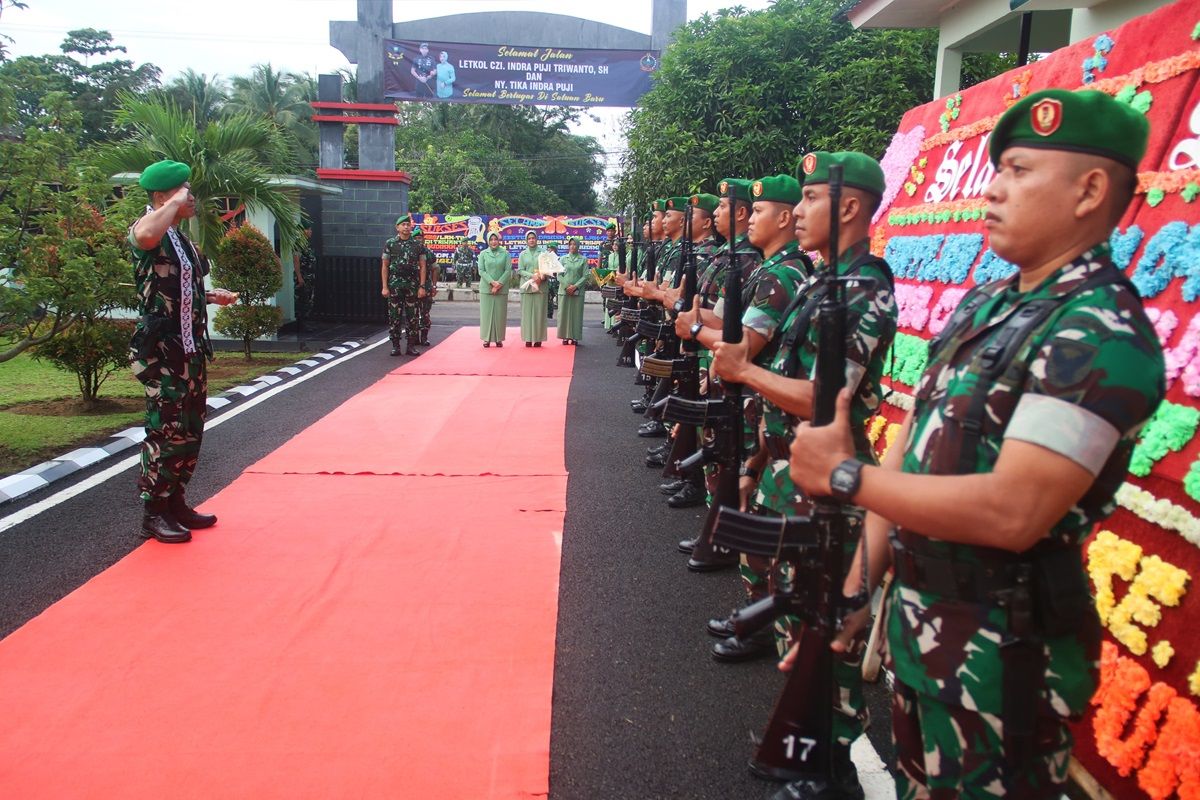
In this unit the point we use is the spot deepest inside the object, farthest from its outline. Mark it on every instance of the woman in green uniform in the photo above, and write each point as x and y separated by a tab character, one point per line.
533	293
570	294
495	276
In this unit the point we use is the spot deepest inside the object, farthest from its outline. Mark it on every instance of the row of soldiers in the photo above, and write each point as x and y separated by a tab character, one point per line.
1020	431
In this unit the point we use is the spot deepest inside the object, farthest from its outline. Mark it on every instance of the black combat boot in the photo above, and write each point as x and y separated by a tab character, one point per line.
843	786
734	648
157	523
688	495
186	516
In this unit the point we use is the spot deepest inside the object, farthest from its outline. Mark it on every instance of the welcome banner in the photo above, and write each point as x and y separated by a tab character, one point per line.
459	72
1142	738
444	232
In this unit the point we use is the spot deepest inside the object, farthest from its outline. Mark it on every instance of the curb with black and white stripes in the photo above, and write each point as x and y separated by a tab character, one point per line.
46	473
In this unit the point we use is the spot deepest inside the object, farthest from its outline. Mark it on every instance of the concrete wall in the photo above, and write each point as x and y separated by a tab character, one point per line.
362	218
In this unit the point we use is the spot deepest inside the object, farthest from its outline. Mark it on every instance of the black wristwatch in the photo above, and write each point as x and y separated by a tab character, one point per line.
748	472
695	329
845	479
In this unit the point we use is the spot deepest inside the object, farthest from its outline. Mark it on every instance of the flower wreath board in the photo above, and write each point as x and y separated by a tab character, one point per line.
1142	735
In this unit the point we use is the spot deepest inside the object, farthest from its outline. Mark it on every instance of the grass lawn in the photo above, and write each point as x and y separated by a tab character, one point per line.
41	416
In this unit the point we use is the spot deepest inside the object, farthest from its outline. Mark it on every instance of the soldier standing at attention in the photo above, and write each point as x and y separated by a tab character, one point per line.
1022	429
434	271
404	276
570	294
495	276
169	350
533	293
464	264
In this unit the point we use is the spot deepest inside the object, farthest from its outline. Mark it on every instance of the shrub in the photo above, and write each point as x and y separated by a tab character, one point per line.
92	350
247	264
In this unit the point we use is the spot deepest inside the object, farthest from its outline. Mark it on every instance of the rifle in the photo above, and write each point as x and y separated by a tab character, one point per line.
798	741
725	415
663	364
685	370
631	314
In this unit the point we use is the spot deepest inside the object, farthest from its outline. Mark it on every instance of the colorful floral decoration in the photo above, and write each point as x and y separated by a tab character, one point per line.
903	150
1018	88
947	211
1162	653
1173	765
1160	512
1141	101
1173	252
1097	62
1171	182
1155	196
1125	244
992	268
1122	683
1194	680
912	305
908	358
1171	427
944	309
1196	32
1156	580
953	108
898	399
1190	190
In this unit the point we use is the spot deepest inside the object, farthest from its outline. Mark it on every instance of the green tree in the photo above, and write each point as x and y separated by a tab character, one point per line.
92	351
745	93
61	260
92	87
233	157
281	98
246	264
6	4
199	94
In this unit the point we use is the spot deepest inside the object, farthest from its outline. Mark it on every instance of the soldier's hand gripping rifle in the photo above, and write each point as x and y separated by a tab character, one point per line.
810	569
631	314
686	373
665	364
725	416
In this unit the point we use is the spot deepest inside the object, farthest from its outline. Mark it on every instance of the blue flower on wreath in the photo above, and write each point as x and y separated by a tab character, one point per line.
1097	61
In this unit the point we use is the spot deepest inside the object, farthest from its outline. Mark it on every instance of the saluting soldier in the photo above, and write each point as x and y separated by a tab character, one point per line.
782	378
170	350
1022	429
404	275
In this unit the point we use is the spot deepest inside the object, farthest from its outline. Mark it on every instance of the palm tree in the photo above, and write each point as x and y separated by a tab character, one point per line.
283	99
198	93
233	157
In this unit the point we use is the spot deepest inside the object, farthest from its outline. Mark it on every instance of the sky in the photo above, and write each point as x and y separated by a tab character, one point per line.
227	38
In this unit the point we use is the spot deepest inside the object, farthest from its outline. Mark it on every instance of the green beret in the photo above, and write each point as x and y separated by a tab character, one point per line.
708	202
859	171
741	188
776	189
612	226
403	218
417	231
659	205
1084	122
164	175
678	203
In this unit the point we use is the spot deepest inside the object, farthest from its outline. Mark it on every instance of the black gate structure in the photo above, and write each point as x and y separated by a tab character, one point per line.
348	290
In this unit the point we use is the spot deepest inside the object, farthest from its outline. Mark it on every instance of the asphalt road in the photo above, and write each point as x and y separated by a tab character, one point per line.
640	709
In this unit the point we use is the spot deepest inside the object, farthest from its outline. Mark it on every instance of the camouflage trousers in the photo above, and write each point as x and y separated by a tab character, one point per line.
851	715
176	407
426	315
404	317
945	752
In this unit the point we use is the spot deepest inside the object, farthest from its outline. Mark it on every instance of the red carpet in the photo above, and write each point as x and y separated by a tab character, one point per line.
463	353
437	425
335	636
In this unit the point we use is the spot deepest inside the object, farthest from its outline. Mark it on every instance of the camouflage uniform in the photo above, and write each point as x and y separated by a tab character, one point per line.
176	383
404	275
1095	374
464	265
870	326
433	273
306	270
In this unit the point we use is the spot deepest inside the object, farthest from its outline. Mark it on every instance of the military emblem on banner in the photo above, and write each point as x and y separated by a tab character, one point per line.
1046	116
648	63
